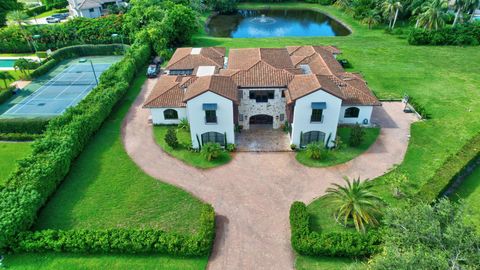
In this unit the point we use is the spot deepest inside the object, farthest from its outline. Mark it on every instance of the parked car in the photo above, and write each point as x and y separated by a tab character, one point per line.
60	16
153	70
52	20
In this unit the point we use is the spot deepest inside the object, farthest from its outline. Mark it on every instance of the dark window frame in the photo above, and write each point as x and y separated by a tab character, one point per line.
262	96
173	116
352	112
312	136
317	116
210	116
180	72
214	137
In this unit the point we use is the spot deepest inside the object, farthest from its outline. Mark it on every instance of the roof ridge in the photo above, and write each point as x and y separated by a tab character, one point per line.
161	94
296	49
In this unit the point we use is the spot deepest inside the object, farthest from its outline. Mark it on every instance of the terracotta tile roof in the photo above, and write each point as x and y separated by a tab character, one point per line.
246	58
184	59
303	85
221	85
167	92
262	75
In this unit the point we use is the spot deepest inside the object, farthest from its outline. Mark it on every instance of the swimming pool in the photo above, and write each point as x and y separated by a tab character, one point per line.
7	63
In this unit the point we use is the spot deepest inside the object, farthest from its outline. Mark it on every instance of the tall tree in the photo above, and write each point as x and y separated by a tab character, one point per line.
5	7
20	18
432	14
462	6
372	18
355	202
424	237
390	9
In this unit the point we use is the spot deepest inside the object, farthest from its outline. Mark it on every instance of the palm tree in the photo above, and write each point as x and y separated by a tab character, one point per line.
433	14
391	8
464	6
20	18
372	18
5	76
355	202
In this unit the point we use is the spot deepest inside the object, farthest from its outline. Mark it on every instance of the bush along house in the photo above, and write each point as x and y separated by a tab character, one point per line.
303	87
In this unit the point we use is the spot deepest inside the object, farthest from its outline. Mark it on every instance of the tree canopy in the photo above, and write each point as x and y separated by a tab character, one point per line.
7	6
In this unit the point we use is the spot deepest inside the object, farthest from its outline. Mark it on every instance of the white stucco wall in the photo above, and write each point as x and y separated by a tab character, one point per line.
303	111
365	113
159	119
249	107
196	117
87	14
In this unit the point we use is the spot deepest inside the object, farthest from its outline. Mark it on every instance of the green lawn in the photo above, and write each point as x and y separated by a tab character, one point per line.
16	74
49	13
328	263
105	189
56	261
343	155
469	191
441	78
192	158
10	152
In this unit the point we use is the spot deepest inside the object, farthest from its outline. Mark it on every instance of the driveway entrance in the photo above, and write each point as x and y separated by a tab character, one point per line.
261	119
262	138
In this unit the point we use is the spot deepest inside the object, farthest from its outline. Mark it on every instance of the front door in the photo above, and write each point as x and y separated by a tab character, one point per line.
261	119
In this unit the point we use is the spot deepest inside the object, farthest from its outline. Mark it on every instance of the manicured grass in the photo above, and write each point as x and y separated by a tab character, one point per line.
16	54
56	261
330	263
49	13
191	158
346	152
10	152
469	191
441	78
106	189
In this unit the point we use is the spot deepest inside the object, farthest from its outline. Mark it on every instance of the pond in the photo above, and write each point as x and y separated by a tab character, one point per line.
264	23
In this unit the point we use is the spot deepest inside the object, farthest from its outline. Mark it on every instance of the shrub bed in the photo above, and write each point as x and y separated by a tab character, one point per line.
75	51
38	175
340	244
122	240
24	125
463	34
451	168
6	94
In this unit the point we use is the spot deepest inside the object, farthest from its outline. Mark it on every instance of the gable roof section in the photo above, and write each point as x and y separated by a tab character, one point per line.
247	58
262	75
218	84
184	59
167	92
303	85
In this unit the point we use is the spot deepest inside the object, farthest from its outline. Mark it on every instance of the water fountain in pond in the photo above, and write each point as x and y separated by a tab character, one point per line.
263	20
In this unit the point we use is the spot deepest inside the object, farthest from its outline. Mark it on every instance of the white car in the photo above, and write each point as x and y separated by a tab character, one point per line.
52	20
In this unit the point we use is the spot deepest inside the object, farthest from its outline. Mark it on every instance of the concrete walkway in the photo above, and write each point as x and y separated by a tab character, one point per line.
253	193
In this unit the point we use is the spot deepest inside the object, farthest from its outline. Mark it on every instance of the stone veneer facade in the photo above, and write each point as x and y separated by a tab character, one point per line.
249	107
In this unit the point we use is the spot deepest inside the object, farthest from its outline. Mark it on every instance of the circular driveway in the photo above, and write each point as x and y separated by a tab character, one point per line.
253	193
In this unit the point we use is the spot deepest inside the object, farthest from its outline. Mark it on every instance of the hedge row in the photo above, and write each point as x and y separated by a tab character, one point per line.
37	176
19	137
462	34
122	240
450	169
43	8
76	51
24	125
340	244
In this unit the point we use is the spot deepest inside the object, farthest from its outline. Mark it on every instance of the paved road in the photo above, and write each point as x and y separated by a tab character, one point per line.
253	193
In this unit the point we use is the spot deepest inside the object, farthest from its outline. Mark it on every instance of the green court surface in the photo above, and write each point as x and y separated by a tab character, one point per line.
63	87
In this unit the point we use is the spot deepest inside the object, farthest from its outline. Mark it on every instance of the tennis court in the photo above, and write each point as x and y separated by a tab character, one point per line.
62	89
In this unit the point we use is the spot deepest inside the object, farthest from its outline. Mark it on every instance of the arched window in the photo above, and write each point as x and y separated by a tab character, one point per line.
352	112
170	114
311	136
214	137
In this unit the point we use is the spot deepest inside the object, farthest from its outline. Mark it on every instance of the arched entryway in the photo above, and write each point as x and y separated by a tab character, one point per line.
261	119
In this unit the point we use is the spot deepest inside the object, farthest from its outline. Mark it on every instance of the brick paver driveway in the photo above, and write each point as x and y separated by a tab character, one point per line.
253	193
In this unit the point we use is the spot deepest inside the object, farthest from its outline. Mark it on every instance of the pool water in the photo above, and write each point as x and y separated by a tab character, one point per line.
275	23
7	63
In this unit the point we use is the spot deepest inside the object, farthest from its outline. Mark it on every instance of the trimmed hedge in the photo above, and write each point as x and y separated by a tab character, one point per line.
52	155
19	137
122	240
24	125
463	34
451	168
75	51
340	244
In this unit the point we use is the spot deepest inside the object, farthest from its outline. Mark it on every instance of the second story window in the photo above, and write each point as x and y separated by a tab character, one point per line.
317	115
210	116
262	96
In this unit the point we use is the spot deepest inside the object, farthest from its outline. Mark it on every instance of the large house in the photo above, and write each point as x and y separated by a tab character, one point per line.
90	8
303	86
